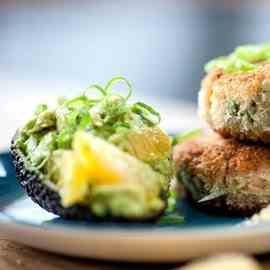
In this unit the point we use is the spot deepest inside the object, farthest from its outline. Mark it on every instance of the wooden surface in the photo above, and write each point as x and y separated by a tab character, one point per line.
18	257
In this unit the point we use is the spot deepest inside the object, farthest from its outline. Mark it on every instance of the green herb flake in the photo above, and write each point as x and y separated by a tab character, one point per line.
64	138
171	219
193	184
243	59
213	195
41	108
247	116
232	107
149	115
172	201
253	53
188	135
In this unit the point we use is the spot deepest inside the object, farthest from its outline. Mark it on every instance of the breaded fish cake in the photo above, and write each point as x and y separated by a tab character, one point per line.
224	175
236	102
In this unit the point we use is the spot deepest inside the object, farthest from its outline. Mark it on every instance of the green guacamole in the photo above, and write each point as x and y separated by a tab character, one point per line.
124	131
243	59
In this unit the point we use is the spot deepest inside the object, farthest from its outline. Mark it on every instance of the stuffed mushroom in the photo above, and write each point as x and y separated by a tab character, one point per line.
235	94
224	176
95	157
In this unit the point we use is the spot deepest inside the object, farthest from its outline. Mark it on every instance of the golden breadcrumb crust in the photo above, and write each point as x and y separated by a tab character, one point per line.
242	170
250	94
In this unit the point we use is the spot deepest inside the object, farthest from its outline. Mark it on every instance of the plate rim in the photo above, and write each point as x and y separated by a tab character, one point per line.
240	229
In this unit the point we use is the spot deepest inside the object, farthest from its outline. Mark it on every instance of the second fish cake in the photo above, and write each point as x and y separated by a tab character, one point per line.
224	175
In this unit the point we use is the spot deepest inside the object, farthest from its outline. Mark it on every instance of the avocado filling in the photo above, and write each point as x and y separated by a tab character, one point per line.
243	59
101	152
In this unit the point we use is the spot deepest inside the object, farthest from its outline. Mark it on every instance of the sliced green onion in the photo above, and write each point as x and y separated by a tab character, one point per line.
64	138
253	53
77	101
243	59
72	118
85	120
140	107
213	195
95	87
171	219
172	201
220	62
192	134
41	108
114	80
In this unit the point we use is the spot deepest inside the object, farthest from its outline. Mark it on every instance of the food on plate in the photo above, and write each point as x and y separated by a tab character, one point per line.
224	262
235	94
224	175
95	156
262	216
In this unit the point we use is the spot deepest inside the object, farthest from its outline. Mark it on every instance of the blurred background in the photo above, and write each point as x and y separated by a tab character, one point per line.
59	47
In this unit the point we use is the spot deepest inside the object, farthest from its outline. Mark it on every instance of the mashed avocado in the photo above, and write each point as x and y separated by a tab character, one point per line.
242	59
101	151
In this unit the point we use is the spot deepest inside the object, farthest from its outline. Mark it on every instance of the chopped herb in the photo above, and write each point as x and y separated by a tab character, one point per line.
232	107
247	116
151	116
193	184
192	134
108	86
41	108
171	219
171	215
213	195
64	138
172	201
242	59
252	107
